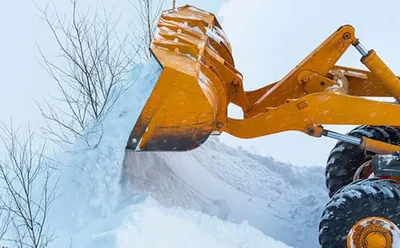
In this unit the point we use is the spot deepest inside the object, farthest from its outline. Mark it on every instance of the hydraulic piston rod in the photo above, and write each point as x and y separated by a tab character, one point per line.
342	137
364	143
379	69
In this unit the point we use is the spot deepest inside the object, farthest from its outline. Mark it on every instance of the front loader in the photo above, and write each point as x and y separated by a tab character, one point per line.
198	80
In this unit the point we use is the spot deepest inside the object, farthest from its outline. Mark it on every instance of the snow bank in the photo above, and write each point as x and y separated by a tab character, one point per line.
94	212
149	225
283	201
90	177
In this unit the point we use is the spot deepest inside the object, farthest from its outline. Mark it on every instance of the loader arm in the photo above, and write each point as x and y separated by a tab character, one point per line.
319	92
199	80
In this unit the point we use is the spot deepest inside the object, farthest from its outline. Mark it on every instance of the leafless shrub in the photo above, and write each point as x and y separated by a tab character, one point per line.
26	190
147	13
91	76
5	219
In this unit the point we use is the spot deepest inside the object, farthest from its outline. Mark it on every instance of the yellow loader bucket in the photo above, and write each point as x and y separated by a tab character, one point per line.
189	101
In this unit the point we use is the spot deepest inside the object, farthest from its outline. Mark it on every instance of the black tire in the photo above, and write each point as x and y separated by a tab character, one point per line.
345	158
365	198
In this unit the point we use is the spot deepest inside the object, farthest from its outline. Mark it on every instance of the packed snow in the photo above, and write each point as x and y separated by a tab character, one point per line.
283	201
213	196
149	225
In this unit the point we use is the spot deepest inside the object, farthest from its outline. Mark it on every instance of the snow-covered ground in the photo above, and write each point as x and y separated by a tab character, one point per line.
283	201
146	224
214	196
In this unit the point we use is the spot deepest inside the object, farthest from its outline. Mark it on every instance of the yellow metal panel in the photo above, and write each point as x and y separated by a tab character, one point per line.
320	61
363	83
315	109
190	99
184	115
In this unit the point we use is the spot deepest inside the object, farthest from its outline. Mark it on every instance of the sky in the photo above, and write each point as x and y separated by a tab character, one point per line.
268	39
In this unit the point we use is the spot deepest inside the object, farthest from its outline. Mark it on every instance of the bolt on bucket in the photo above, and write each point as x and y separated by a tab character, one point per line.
189	100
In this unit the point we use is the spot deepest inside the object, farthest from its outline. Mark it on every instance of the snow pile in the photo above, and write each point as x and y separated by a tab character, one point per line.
90	177
149	225
283	201
94	212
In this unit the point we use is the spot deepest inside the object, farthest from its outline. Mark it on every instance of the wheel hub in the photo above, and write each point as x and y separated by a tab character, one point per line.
373	232
364	171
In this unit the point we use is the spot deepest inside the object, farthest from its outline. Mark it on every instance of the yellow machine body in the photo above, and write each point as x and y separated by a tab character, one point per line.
198	81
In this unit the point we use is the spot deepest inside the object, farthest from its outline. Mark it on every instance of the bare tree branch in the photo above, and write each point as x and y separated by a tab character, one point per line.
147	13
26	190
90	70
